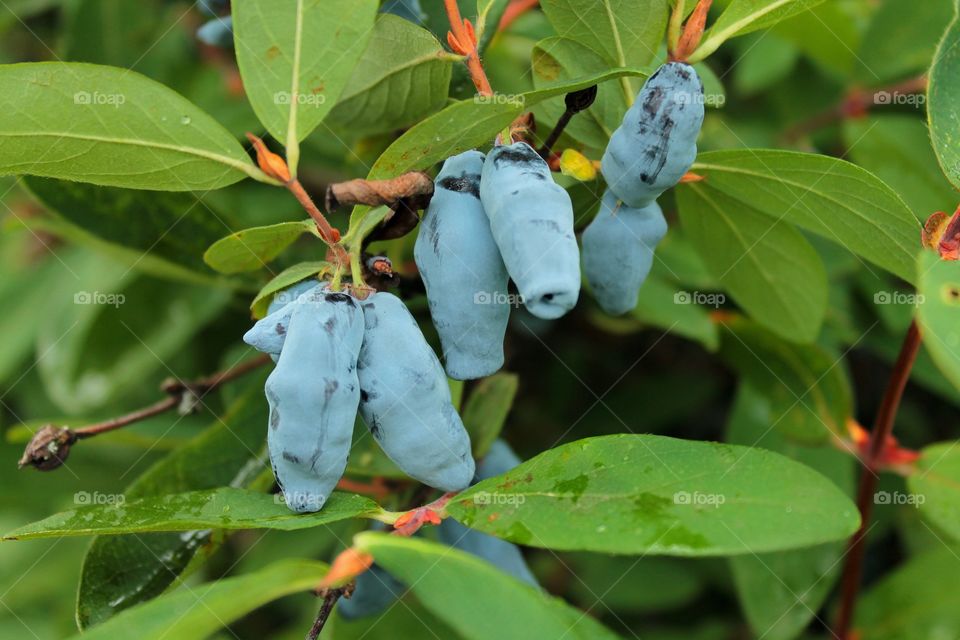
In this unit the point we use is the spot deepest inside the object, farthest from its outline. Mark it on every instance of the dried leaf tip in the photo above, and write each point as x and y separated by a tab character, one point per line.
942	234
270	163
346	566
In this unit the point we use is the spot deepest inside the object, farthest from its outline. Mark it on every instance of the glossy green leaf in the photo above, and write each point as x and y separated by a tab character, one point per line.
768	267
472	123
626	32
897	150
936	486
284	279
641	494
943	100
487	408
563	58
296	57
111	127
402	77
806	386
780	593
121	571
939	313
743	16
921	599
828	196
223	508
198	612
251	249
163	234
463	590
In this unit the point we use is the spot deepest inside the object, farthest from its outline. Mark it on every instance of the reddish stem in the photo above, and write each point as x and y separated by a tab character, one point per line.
883	429
466	42
516	9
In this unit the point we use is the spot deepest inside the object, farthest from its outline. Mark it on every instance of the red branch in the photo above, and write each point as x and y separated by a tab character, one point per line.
516	9
463	40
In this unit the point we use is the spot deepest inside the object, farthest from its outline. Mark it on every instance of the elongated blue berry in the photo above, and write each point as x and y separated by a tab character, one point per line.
375	590
269	333
217	32
531	218
657	142
501	553
314	394
463	272
405	398
618	251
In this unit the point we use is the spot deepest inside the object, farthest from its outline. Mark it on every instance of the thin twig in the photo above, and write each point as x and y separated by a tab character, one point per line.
856	104
516	9
330	598
883	429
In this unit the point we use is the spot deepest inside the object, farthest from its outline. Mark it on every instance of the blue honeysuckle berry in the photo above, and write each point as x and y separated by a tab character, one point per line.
269	334
618	249
657	142
531	218
463	272
313	394
409	9
217	32
405	399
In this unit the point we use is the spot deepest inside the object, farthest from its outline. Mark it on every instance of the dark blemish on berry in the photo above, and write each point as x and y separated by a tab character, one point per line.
330	325
523	154
653	101
547	223
289	457
535	174
330	387
281	330
274	418
514	193
374	427
659	151
466	183
682	72
339	297
548	297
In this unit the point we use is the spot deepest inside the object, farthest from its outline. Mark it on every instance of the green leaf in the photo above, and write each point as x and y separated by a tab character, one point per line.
122	571
743	16
163	234
897	150
642	494
296	57
472	123
253	248
939	312
807	387
111	127
487	409
626	32
462	590
198	612
769	268
828	196
921	599
224	508
780	593
901	39
403	76
284	279
943	101
936	485
563	58
116	330
665	305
